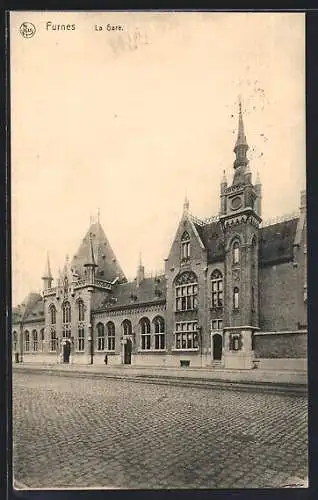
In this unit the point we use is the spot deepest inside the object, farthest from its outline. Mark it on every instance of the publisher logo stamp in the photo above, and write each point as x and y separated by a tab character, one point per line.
27	30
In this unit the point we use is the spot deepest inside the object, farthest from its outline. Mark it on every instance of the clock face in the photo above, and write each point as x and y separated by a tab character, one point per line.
236	203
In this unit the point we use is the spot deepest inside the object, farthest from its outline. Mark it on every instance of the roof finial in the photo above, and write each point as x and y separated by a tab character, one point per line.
91	259
98	215
140	260
224	181
258	179
47	272
186	205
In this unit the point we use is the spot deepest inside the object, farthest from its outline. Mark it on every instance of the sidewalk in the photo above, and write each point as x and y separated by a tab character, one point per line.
269	380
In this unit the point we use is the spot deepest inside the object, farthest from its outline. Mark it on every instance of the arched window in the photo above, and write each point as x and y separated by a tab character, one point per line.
41	339
217	288
52	314
236	298
14	341
186	291
236	252
185	246
34	340
26	341
100	337
145	333
66	312
159	328
110	336
81	312
127	328
80	338
53	341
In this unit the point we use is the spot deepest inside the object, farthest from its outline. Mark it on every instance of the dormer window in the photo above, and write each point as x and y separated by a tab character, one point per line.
185	246
236	252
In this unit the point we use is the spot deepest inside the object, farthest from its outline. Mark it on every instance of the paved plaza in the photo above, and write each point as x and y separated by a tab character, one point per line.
88	432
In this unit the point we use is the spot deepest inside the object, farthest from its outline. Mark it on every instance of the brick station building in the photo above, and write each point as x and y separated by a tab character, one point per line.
233	294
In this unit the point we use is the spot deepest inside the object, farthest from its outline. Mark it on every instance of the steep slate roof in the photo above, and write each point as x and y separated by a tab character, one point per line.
31	308
108	267
150	290
212	239
276	242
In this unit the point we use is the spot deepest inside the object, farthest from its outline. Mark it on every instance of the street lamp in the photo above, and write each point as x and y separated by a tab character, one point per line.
21	339
91	347
200	341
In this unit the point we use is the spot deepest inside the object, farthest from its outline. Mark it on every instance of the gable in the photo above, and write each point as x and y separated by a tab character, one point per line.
186	226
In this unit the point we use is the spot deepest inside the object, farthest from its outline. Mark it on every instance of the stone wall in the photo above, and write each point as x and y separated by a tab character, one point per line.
281	345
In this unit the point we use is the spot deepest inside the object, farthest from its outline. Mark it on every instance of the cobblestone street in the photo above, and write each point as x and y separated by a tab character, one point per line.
71	432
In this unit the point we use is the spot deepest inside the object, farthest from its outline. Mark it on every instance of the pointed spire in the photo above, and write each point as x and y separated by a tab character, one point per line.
241	138
241	145
91	259
224	180
186	205
47	271
140	271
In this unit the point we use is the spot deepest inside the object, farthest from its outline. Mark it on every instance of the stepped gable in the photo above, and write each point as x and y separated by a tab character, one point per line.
276	242
212	238
31	308
150	290
108	267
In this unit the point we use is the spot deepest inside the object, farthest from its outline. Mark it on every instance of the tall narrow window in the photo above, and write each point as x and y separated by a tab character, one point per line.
52	314
26	341
217	288
110	336
145	333
81	313
53	341
80	338
41	339
185	246
236	298
127	328
253	299
34	340
66	312
236	252
186	291
14	341
100	337
159	327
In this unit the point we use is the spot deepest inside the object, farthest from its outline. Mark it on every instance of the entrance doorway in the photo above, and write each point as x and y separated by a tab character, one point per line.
66	352
217	347
127	352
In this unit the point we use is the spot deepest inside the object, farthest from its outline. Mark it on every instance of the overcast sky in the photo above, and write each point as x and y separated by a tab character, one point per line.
132	121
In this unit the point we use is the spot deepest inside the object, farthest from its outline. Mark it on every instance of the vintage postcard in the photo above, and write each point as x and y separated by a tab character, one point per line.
159	250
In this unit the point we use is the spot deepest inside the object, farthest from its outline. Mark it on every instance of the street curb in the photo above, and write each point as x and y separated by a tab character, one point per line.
269	387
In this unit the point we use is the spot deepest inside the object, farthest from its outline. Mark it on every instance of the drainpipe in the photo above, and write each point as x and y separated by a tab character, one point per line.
21	340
